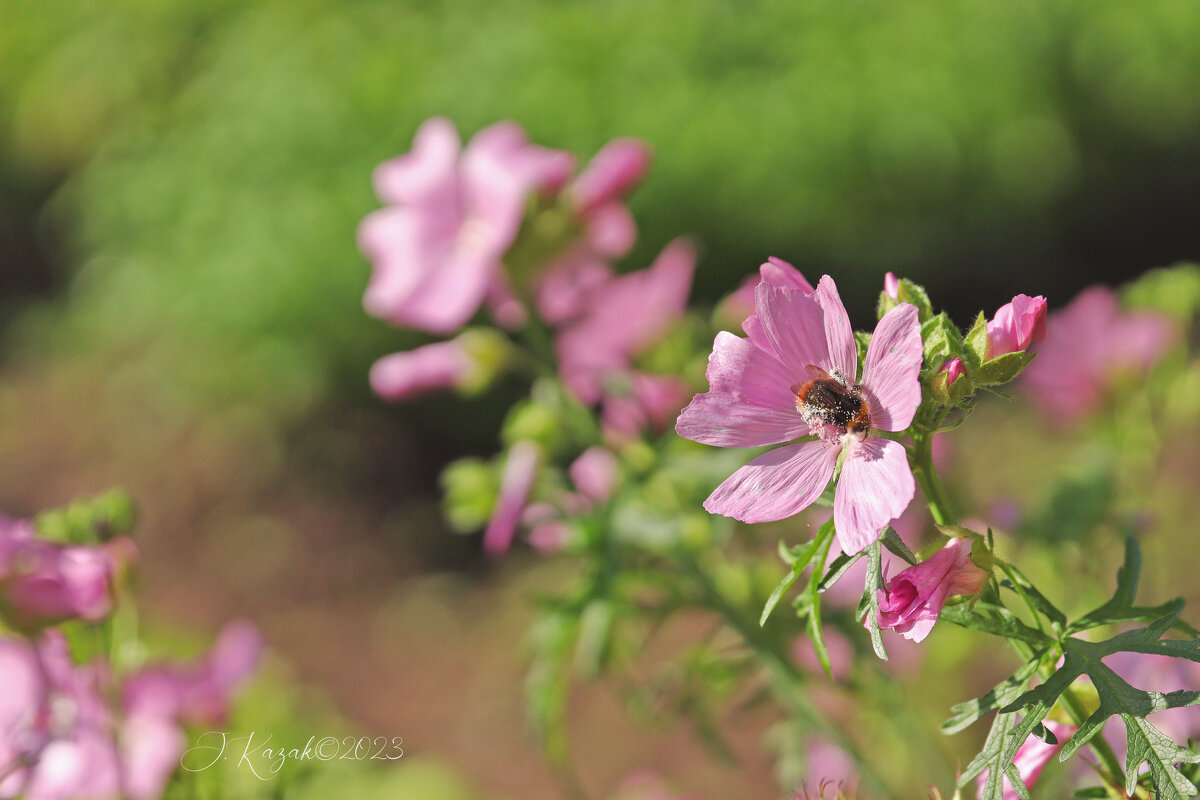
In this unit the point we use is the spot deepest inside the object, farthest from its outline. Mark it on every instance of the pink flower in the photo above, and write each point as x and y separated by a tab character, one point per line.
828	765
1032	757
799	380
915	597
1159	674
516	482
775	271
425	369
641	402
610	175
451	215
595	473
1017	325
42	582
954	370
1088	344
891	286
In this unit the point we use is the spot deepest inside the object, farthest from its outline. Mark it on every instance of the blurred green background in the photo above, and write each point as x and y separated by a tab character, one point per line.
180	183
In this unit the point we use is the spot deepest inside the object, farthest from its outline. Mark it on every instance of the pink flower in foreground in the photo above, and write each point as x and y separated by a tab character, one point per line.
915	597
775	271
1016	325
450	216
43	582
1032	757
516	482
1088	344
799	380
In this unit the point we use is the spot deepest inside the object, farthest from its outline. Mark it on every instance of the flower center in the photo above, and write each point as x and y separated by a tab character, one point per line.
831	405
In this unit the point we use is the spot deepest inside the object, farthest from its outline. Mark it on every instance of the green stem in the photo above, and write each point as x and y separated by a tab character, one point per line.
786	679
921	459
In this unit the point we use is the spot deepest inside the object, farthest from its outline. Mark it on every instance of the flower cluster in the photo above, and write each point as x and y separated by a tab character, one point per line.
86	730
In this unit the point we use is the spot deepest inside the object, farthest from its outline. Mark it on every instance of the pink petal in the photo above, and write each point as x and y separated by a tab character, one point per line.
520	470
891	286
891	375
427	173
748	403
430	368
611	173
611	230
777	484
843	352
451	293
875	487
595	473
778	272
794	325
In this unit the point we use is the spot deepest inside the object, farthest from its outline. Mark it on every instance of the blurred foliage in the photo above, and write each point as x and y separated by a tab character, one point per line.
219	153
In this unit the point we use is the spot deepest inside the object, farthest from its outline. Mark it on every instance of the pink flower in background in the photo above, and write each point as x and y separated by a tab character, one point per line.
1017	325
1160	674
610	175
642	402
422	370
800	380
1032	758
841	654
1089	344
646	785
450	216
44	582
915	597
827	764
516	482
595	473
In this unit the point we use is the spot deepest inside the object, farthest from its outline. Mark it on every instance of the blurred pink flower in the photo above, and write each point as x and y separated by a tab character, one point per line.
595	473
610	175
891	286
516	482
828	765
841	654
646	785
422	370
1158	674
800	380
915	597
450	216
643	402
1032	757
1016	325
1088	344
43	582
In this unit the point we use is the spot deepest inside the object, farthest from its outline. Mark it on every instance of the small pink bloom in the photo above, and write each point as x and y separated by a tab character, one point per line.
1089	343
891	286
1017	325
954	370
451	214
770	391
828	765
595	473
610	175
43	583
648	402
429	368
914	598
1032	757
516	482
624	317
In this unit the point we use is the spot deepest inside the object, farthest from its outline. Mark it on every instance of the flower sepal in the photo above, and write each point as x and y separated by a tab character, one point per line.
902	290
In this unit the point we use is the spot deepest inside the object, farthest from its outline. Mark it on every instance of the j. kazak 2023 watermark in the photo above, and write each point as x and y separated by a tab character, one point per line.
265	756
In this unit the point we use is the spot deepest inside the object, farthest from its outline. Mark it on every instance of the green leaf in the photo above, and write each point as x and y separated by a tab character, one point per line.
868	607
1002	369
998	696
1121	608
1030	594
799	558
811	600
943	341
995	760
839	568
975	343
996	620
892	541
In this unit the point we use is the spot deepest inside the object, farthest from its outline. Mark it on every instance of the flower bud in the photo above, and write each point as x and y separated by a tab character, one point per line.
467	363
1016	325
915	597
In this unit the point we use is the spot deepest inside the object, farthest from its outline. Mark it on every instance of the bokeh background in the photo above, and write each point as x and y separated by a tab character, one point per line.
180	292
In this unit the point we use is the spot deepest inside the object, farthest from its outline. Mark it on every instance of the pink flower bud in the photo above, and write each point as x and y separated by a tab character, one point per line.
891	286
520	470
915	597
42	582
954	369
1016	325
611	173
426	369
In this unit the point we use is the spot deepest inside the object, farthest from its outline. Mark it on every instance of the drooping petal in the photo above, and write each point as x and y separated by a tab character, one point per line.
777	484
843	352
875	487
794	325
748	403
891	373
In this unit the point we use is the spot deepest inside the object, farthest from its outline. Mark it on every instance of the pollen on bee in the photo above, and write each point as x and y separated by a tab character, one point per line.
831	405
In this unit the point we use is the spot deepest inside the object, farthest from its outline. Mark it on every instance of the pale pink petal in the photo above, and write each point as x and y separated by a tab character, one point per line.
1016	325
425	174
611	230
777	484
151	748
843	352
520	470
611	173
748	402
875	487
794	325
891	379
451	294
774	272
595	473
891	286
778	272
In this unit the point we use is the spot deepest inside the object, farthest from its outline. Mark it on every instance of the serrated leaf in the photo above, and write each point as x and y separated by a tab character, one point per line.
892	541
998	696
1020	584
991	758
799	557
838	568
996	620
868	607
